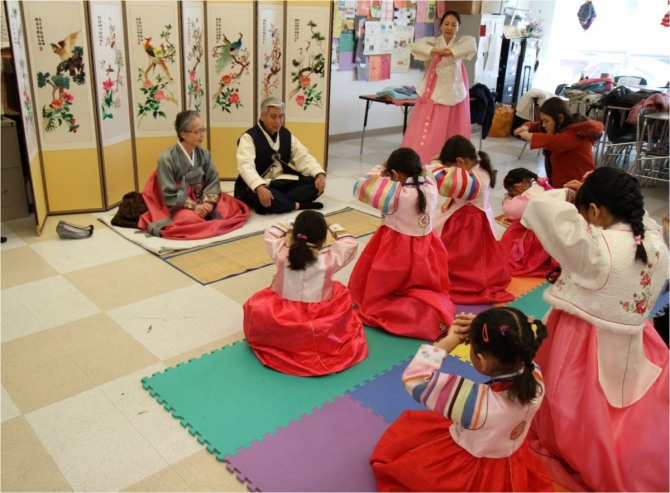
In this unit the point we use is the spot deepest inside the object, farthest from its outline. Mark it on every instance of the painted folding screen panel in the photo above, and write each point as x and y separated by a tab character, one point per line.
270	50
195	73
60	63
59	52
307	63
155	66
230	33
111	85
154	58
16	34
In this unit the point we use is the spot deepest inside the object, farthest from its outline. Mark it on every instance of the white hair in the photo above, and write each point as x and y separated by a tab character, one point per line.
271	102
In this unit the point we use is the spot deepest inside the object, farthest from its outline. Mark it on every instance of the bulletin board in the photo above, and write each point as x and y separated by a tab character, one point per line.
373	38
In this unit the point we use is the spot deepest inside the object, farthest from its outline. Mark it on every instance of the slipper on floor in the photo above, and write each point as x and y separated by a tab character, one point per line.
69	231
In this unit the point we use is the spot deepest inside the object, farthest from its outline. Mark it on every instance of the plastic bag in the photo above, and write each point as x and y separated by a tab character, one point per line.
502	121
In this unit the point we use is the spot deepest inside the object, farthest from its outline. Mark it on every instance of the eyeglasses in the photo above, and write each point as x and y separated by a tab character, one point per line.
200	131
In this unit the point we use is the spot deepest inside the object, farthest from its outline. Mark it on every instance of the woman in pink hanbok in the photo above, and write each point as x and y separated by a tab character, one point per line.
443	107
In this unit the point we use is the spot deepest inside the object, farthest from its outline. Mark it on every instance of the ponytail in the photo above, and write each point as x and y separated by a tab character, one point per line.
485	164
406	160
620	194
513	339
309	231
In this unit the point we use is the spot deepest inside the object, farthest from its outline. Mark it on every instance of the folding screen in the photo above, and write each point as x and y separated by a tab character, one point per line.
16	33
109	54
58	48
154	56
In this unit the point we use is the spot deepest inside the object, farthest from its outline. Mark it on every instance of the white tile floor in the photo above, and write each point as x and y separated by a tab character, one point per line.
84	321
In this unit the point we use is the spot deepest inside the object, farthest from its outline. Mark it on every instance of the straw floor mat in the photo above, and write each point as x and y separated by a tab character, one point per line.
216	262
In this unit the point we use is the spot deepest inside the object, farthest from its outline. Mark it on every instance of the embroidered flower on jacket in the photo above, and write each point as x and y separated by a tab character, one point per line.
641	301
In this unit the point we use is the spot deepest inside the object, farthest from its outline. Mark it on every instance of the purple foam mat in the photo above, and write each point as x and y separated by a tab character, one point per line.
327	450
476	309
386	394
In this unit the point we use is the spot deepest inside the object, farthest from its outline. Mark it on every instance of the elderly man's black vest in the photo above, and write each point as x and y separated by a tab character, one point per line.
265	155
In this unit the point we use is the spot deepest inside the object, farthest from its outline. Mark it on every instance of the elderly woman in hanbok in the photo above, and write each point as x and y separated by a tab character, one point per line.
183	196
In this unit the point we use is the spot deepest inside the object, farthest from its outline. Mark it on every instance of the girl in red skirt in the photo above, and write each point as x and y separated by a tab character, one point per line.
525	254
400	282
304	324
474	439
477	263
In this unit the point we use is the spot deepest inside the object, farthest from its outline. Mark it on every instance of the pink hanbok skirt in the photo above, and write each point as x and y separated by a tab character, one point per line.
305	339
401	284
186	224
585	443
431	124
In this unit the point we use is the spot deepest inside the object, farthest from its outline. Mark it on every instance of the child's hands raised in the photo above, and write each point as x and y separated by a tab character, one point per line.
458	332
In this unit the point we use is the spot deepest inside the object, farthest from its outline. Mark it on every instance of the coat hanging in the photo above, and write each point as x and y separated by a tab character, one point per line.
586	14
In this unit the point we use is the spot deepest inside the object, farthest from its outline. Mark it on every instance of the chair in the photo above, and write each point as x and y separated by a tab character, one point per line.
652	151
619	139
629	80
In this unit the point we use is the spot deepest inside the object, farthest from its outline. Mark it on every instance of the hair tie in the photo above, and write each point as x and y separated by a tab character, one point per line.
638	240
485	333
530	366
503	329
301	236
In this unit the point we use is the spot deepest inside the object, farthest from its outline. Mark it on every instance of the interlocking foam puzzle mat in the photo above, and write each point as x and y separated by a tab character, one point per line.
278	432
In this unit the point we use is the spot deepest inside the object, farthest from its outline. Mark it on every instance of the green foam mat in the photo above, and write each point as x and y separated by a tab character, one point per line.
228	399
532	302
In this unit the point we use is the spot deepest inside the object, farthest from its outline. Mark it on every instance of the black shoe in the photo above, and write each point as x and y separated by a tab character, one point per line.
69	231
310	205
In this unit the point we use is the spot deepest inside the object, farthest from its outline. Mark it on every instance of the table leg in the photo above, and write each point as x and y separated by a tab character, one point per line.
365	124
405	110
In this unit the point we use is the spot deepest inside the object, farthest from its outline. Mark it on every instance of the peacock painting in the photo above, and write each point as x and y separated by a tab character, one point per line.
231	61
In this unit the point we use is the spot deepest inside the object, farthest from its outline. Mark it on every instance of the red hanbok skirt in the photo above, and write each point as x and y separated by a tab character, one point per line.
525	254
477	263
417	453
305	339
401	284
587	444
186	224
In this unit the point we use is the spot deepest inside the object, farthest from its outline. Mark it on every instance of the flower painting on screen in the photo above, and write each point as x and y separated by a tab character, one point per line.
157	83
308	70
231	61
69	69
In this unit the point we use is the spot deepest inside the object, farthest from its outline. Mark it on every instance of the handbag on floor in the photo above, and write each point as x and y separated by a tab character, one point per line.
130	209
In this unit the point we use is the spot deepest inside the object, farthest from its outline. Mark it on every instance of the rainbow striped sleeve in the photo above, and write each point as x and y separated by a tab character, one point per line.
456	183
455	397
378	191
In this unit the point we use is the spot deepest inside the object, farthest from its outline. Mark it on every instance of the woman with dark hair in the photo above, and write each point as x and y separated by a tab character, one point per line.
443	108
566	138
183	196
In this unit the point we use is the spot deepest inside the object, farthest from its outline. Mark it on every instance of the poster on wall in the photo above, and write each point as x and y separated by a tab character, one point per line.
270	51
193	18
403	37
58	50
155	66
378	38
109	62
307	63
230	35
15	28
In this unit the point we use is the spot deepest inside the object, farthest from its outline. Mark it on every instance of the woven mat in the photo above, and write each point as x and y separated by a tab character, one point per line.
216	262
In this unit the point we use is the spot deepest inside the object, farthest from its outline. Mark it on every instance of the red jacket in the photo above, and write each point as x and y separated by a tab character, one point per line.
571	149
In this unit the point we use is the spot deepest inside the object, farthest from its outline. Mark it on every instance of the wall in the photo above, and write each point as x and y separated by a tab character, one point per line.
347	111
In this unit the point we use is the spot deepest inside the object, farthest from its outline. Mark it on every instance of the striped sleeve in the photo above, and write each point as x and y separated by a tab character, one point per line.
380	192
455	182
461	400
